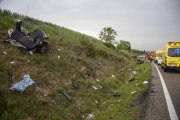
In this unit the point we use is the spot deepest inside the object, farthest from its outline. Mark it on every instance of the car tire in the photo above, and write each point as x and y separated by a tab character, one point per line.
165	69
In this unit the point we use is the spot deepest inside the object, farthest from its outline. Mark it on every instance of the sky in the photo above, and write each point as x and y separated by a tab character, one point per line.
146	24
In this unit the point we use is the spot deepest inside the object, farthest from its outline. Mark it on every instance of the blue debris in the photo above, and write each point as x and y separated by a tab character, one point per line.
23	84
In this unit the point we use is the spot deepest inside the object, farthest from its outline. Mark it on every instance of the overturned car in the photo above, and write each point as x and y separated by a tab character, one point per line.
26	41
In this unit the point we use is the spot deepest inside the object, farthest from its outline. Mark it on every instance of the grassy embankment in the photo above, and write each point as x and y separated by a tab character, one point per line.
47	101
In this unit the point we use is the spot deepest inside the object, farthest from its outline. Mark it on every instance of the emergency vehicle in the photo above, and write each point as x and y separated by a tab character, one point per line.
171	56
149	54
157	54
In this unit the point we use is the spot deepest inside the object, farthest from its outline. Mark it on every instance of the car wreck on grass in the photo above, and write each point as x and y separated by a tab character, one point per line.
27	41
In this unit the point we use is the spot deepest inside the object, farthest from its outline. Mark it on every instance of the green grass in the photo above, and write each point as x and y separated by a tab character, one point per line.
47	101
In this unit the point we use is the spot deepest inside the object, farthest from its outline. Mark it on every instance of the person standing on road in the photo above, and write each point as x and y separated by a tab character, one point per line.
151	58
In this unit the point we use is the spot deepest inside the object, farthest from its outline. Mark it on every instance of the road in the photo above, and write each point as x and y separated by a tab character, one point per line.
157	105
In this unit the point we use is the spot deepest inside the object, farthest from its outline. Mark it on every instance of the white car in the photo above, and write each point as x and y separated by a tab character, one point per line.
159	60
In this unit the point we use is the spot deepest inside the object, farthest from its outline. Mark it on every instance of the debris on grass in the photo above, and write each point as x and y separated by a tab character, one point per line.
94	87
12	62
73	47
145	82
40	84
97	80
82	76
133	92
4	52
58	56
23	84
113	75
96	102
136	103
31	52
116	95
106	89
90	116
28	61
65	94
131	79
134	72
10	76
74	84
103	62
62	72
58	49
94	63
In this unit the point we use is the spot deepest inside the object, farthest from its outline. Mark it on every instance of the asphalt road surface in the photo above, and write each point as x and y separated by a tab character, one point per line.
160	105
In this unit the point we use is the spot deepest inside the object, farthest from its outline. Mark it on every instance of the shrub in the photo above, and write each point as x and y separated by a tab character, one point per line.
121	59
6	13
90	48
109	45
103	52
125	54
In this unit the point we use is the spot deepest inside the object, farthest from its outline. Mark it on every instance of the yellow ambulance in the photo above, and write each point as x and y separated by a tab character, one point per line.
157	55
171	56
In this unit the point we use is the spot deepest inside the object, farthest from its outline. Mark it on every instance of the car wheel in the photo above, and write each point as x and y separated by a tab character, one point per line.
165	69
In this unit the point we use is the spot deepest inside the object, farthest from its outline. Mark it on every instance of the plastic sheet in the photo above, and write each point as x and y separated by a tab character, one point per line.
23	84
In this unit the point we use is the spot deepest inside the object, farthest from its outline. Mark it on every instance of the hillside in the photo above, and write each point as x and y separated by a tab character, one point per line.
51	74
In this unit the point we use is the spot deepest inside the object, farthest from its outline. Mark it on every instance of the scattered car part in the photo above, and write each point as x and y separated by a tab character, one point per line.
67	96
103	62
82	76
79	53
136	103
94	63
106	89
116	95
40	84
88	74
131	79
62	72
10	76
73	47
74	84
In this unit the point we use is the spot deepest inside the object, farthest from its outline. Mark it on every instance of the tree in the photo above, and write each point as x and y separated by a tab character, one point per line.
124	45
107	34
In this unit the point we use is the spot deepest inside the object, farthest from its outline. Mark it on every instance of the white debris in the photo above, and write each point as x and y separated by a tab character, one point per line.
12	62
97	80
133	92
52	74
58	49
28	61
90	116
94	87
58	56
145	82
134	72
4	52
31	52
113	76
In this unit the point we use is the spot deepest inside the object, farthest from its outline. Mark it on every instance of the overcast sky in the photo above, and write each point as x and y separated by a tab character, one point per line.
146	24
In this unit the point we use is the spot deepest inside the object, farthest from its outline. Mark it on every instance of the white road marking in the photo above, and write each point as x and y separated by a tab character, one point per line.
170	106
